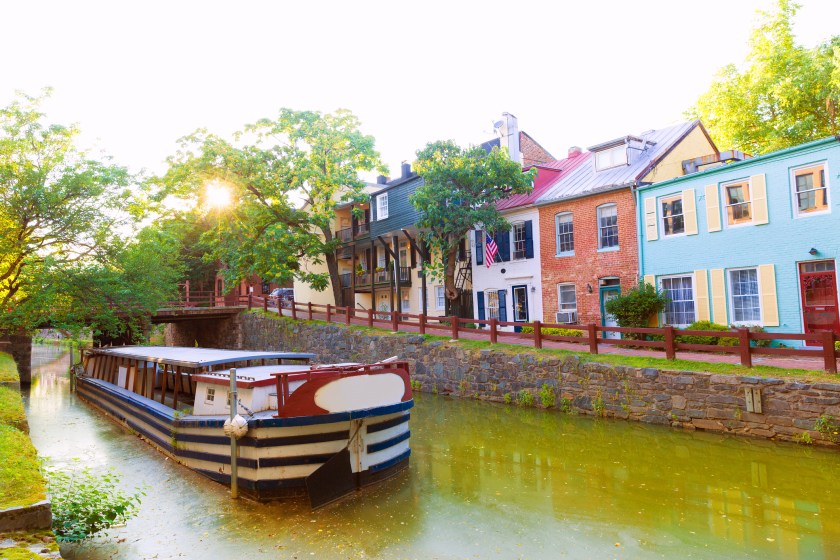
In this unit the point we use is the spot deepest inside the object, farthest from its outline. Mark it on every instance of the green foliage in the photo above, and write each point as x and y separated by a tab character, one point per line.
415	385
554	331
547	395
525	398
285	176
805	438
85	503
461	187
710	340
8	369
598	405
21	482
11	408
507	398
637	306
566	405
785	94
18	553
463	386
837	345
828	427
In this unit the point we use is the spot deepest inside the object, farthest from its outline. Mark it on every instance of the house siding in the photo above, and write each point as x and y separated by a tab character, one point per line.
401	213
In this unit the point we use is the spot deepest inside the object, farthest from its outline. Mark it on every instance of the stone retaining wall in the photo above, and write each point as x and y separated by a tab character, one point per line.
693	400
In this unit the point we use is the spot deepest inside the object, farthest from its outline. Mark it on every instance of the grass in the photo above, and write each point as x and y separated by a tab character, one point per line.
11	408
21	482
8	369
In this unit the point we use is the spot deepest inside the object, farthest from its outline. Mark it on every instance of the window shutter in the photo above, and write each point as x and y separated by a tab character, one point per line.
759	200
769	302
502	306
701	295
479	247
689	212
650	279
503	243
651	232
480	299
712	208
529	240
718	296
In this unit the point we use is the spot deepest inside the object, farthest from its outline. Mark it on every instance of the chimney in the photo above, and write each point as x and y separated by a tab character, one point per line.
575	151
382	180
509	136
406	170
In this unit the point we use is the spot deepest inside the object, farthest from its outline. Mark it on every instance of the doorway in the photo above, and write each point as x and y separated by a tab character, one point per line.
520	305
607	293
818	286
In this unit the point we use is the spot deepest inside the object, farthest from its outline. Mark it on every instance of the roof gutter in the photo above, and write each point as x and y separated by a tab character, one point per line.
609	189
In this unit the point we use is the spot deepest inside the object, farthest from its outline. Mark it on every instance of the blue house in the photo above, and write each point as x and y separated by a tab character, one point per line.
753	242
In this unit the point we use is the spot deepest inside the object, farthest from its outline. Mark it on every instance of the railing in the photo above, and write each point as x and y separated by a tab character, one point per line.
348	234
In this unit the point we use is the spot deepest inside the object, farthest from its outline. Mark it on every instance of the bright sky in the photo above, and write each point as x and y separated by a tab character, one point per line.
137	76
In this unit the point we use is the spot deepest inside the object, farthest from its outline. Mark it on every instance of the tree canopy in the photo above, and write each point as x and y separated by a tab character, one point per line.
285	176
460	191
784	95
60	214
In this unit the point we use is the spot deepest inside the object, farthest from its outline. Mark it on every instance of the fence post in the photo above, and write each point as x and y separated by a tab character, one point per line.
294	310
250	299
329	312
265	303
347	312
829	353
593	338
454	321
309	304
670	349
279	309
744	345
422	319
370	317
395	318
494	330
537	334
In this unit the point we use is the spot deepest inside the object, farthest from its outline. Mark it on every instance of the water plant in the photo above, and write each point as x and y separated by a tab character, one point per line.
566	405
547	395
598	405
828	427
415	384
805	438
507	398
525	398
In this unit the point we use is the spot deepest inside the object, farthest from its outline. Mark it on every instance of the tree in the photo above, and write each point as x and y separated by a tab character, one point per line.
460	190
785	95
637	306
286	176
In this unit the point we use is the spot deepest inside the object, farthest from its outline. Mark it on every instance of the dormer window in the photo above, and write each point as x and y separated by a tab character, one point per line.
611	157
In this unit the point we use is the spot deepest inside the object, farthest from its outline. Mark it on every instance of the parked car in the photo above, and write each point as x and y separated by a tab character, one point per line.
281	297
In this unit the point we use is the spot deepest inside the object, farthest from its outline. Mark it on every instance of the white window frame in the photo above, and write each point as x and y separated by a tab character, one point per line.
600	210
557	243
611	157
491	296
724	197
210	395
564	308
794	195
440	298
731	296
405	300
382	207
664	314
517	246
662	217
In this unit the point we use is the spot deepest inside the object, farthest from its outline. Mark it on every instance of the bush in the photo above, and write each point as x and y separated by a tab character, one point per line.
84	503
525	398
553	331
637	306
547	395
709	340
837	345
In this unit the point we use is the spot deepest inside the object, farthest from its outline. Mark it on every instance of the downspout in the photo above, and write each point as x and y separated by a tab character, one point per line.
634	188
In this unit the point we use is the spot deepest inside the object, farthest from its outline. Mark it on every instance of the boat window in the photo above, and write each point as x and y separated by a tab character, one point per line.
211	395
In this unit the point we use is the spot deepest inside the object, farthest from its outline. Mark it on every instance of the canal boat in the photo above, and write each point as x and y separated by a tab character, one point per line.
301	428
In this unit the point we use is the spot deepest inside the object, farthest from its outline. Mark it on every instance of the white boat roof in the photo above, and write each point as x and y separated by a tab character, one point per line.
187	356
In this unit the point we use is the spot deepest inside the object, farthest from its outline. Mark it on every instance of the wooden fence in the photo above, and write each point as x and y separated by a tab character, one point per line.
665	339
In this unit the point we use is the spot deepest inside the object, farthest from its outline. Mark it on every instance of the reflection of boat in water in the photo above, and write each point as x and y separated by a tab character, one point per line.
325	429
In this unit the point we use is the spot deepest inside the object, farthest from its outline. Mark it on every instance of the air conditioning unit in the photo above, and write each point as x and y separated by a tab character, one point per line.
567	317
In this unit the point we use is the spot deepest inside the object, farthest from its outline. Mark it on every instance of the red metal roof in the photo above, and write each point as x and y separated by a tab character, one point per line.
547	175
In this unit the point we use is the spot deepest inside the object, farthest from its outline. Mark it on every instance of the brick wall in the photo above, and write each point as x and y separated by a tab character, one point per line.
588	265
532	152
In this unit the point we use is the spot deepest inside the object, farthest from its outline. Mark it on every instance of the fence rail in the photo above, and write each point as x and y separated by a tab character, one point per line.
668	339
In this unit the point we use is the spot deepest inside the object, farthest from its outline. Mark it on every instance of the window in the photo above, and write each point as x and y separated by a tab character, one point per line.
565	233
440	298
673	222
405	300
518	231
566	303
492	304
745	300
403	253
680	310
810	190
738	202
612	157
608	227
382	206
210	396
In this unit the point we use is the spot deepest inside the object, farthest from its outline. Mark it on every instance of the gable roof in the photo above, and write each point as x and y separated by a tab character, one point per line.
584	180
548	174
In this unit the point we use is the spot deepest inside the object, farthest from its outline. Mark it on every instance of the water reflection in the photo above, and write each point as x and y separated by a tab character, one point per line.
485	481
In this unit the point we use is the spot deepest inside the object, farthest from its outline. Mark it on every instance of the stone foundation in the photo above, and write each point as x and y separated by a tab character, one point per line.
692	400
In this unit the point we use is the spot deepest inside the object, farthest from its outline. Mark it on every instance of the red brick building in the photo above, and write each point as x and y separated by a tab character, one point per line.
587	220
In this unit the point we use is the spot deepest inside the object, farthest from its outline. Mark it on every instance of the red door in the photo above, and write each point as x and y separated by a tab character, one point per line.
818	283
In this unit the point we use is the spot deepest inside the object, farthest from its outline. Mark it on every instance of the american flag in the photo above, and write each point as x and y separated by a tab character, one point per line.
490	251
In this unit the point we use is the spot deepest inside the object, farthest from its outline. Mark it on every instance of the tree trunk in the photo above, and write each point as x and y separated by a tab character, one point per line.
21	351
332	267
452	293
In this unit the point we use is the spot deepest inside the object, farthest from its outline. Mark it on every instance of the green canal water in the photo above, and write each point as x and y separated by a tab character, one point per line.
485	481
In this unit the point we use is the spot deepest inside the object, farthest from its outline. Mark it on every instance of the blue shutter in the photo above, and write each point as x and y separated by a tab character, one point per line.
529	240
503	243
480	296
479	247
502	306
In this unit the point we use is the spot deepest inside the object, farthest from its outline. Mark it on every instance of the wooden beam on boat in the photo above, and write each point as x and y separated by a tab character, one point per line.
176	381
163	384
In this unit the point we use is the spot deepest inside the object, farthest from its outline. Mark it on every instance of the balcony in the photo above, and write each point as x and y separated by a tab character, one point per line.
380	277
358	231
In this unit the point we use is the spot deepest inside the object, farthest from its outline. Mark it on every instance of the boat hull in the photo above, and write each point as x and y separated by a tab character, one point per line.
277	454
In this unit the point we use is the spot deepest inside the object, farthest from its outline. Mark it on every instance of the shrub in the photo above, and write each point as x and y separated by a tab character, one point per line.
764	343
637	306
547	396
84	503
554	331
710	340
525	398
507	398
837	345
